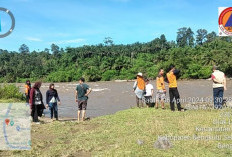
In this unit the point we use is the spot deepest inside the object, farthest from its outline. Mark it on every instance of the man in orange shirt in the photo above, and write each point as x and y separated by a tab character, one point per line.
173	91
161	91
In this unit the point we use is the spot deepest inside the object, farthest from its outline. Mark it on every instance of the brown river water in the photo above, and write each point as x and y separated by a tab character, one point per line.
110	97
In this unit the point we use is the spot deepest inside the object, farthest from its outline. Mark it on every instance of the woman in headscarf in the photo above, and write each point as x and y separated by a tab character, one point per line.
36	102
139	88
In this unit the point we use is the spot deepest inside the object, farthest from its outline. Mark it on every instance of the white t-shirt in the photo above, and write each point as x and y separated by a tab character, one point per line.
149	87
220	76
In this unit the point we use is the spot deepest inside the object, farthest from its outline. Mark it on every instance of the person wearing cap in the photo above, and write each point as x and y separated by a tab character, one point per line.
161	91
219	85
139	89
173	91
149	93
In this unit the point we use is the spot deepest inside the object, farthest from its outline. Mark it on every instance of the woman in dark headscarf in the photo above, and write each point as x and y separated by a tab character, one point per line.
36	102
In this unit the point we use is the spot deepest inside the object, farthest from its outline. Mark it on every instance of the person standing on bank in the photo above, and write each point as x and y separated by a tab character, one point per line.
82	92
27	90
219	85
149	93
139	88
52	98
36	102
173	91
161	91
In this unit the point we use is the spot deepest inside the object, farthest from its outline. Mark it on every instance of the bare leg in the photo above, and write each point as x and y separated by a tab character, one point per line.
83	115
78	115
156	104
162	103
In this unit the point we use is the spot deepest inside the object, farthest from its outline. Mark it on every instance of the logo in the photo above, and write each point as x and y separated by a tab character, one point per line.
7	22
225	21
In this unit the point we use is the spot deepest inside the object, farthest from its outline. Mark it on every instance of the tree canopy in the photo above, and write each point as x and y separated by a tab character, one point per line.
108	61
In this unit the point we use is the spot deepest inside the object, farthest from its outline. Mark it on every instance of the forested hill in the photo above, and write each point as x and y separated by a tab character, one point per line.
192	53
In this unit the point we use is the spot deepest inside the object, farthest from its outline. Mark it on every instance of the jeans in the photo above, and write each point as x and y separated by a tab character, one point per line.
53	109
218	97
174	95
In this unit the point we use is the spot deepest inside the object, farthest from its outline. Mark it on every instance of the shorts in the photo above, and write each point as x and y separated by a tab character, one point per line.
82	104
148	100
161	95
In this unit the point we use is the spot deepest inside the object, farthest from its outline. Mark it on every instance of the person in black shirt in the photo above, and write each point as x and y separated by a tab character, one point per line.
52	98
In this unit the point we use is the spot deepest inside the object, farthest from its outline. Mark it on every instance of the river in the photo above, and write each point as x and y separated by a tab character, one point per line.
110	97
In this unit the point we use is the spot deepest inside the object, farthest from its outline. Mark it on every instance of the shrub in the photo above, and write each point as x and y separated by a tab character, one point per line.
109	75
10	92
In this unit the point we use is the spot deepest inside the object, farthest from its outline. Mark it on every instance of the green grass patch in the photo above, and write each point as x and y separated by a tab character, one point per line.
117	135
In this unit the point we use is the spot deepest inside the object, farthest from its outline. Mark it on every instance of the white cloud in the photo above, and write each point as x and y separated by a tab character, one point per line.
33	39
67	41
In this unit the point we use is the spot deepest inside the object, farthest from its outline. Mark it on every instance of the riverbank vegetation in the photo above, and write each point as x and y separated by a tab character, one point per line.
118	135
192	53
10	93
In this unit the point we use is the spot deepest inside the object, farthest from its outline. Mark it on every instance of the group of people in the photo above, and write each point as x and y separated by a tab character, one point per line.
144	90
35	98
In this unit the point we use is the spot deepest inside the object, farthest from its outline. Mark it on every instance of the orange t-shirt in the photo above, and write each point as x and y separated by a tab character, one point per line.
172	80
140	83
160	83
27	88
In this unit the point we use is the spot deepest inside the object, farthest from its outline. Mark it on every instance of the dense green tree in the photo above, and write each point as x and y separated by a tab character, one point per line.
24	48
185	37
108	61
201	36
55	50
108	41
211	36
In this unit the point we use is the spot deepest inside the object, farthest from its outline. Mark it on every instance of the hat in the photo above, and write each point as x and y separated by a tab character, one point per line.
139	74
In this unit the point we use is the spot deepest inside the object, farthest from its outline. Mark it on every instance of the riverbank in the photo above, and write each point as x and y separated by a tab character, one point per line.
118	135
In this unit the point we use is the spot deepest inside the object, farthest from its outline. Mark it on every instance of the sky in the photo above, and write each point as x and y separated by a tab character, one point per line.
73	23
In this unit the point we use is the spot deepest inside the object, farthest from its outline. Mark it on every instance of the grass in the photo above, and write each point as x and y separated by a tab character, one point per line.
13	100
117	135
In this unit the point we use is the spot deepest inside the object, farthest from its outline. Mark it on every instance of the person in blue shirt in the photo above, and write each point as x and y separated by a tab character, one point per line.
82	92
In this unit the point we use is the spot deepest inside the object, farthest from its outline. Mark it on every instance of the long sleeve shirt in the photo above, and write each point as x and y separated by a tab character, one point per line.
50	94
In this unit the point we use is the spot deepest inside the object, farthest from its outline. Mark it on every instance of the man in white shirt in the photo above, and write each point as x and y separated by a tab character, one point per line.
219	85
149	92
